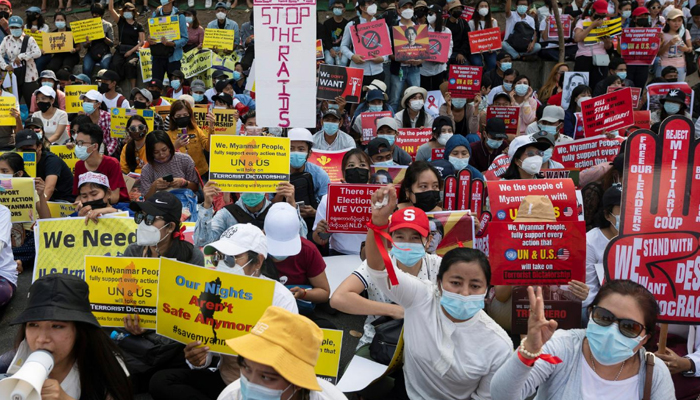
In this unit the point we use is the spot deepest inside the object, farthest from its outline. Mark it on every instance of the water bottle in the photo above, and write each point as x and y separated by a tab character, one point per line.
118	336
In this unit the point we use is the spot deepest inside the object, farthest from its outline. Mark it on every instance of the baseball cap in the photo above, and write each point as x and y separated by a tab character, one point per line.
332	112
220	4
545	137
674	95
410	217
224	98
404	2
33	121
282	229
552	114
177	74
145	93
301	134
499	95
377	145
15	21
388	121
46	91
93	177
63	75
198	84
239	239
81	77
600	6
6	3
669	69
48	74
220	85
217	74
110	75
375	94
34	9
673	13
640	11
496	128
444	167
161	204
25	137
522	141
155	82
93	95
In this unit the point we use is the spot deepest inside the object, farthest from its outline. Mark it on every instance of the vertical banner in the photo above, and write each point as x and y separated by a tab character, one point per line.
17	194
608	112
146	62
464	178
450	202
285	52
331	161
336	81
319	49
464	81
349	207
638	46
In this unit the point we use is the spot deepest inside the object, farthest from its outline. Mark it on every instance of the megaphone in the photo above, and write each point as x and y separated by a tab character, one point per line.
27	382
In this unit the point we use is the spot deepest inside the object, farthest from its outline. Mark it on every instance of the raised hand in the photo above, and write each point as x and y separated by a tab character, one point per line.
539	328
383	204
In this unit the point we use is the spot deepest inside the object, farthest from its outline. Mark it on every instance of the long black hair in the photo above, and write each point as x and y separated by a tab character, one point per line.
406	119
15	162
578	90
476	17
412	173
439	22
645	300
131	145
155	137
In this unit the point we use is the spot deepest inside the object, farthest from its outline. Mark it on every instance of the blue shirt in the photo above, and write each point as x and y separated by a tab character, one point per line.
180	43
230	24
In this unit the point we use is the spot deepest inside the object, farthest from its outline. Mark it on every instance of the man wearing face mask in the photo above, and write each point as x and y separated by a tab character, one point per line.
374	102
550	140
330	137
222	22
373	67
503	64
155	86
216	77
108	88
310	181
388	129
552	122
505	87
57	177
492	144
335	27
512	20
143	99
177	85
5	14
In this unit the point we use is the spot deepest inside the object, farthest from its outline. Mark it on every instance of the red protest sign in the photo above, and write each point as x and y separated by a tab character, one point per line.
477	196
454	229
438	154
464	180
636	94
330	161
657	91
559	304
509	115
505	197
334	81
464	81
349	207
587	152
409	139
485	40
371	39
657	244
642	120
565	26
638	46
369	124
439	47
384	175
411	42
467	13
497	168
450	202
319	49
608	112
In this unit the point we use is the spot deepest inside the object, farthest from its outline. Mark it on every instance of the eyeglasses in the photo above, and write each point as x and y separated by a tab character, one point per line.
82	142
147	219
533	153
229	260
627	327
137	128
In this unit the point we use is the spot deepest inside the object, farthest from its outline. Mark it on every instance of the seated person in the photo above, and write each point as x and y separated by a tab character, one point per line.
94	197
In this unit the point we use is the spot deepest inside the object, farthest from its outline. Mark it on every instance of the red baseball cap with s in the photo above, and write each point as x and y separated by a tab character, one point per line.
410	217
6	3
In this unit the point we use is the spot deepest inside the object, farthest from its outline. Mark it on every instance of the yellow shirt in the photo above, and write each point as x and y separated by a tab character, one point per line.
140	159
195	149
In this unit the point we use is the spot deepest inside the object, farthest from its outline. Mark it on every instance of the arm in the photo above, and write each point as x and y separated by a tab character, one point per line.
50	185
319	292
508	7
112	12
33	51
42	206
180	43
114	196
347	299
59	131
346	43
581	33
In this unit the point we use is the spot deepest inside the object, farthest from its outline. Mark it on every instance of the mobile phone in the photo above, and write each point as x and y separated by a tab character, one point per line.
168	178
324	235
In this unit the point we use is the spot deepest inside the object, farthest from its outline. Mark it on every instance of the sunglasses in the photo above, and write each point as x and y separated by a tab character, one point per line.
137	128
533	153
655	8
229	260
628	327
147	219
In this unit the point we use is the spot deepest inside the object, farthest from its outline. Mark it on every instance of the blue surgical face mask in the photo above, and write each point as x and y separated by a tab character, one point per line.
189	20
626	14
175	84
507	86
521	9
388	163
459	103
49	84
608	345
459	163
521	89
164	2
389	138
414	252
60	24
332	106
236	75
548	129
198	97
462	307
297	159
88	107
81	152
506	66
375	107
547	154
337	11
493	143
622	75
128	15
252	199
671	107
252	391
331	128
278	258
16	32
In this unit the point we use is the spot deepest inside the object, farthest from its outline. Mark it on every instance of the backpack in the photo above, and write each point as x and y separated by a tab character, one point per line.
244	218
304	188
521	37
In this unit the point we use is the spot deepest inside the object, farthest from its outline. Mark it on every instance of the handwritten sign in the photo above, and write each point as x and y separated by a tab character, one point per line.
57	42
87	28
349	207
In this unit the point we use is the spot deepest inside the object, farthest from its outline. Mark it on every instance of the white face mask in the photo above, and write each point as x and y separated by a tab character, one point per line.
581	100
220	15
532	165
148	235
236	269
432	19
407	13
443	138
416	105
483	12
371	10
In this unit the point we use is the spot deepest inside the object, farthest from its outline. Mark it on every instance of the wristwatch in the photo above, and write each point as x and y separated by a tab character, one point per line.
691	372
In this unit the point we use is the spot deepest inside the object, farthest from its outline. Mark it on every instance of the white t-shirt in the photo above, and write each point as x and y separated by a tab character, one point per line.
428	272
514	19
444	359
598	388
112	103
60	117
482	24
595	249
8	267
328	392
346	243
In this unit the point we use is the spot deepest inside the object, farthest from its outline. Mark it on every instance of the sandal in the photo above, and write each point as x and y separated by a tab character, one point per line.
69	9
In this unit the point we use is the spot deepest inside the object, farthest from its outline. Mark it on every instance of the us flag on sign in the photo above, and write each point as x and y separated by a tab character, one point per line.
568	211
563	254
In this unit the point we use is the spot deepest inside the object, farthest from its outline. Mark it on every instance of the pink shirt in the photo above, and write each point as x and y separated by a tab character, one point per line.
588	50
195	36
674	56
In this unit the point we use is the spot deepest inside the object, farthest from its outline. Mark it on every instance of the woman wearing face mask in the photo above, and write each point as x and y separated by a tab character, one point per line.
612	81
242	250
458	152
657	20
591	57
133	156
413	114
98	114
355	168
195	31
525	154
671	104
187	137
521	96
372	66
482	20
553	85
239	79
444	323
69	59
55	121
606	360
10	49
132	36
443	130
675	43
94	198
163	162
465	116
432	74
421	187
579	94
36	24
100	50
625	13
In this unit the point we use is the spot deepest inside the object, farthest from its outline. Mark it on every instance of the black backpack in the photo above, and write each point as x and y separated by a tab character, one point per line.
521	37
304	188
244	218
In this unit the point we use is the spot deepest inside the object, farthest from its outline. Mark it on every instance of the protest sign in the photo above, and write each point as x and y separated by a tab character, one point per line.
552	31
369	124
319	49
607	113
610	27
70	240
349	207
453	229
559	304
225	120
87	28
165	27
29	159
578	127
73	92
122	286
484	40
17	194
410	139
371	39
336	81
146	62
196	61
384	175
249	163
437	154
433	103
562	173
498	167
38	37
218	39
120	116
439	47
636	94
657	91
639	46
285	53
7	104
411	42
328	362
509	115
571	80
505	197
642	120
196	303
57	42
331	161
587	152
657	245
449	202
59	209
464	81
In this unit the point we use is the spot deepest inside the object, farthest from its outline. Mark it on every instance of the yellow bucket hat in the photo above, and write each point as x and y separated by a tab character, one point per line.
289	343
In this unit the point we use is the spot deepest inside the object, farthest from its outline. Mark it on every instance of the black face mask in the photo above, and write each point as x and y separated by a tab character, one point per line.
155	94
420	13
31	17
426	201
95	204
672	80
642	22
4	14
182	122
43	106
140	105
456	13
356	175
103	88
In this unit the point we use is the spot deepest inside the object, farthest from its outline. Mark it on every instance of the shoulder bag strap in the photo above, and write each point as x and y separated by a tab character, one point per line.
649	377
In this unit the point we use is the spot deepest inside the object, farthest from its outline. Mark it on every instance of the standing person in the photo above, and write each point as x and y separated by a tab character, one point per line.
66	60
223	22
675	44
19	50
639	74
167	54
519	45
131	38
481	20
335	27
37	24
403	72
96	111
99	51
459	29
432	74
592	57
372	67
54	120
195	31
492	144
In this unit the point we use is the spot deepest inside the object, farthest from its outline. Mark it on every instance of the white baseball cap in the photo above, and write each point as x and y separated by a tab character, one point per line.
93	177
282	230
525	140
552	114
239	239
93	95
301	134
46	91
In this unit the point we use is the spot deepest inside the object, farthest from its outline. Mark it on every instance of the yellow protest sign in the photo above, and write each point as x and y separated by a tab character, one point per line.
57	42
219	39
121	286
329	359
226	120
36	35
17	194
194	62
70	240
29	161
59	209
610	27
249	163
228	62
87	28
168	99
146	62
120	116
65	154
167	27
196	303
7	103
73	92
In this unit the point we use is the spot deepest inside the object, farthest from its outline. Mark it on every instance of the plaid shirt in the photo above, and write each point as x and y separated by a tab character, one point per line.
105	123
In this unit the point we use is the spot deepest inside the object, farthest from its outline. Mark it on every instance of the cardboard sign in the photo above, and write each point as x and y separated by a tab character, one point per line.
335	81
384	175
608	112
73	93
218	39
498	167
57	42
67	155
571	80
122	286
437	154
165	27
196	61
636	94
249	163
369	124
225	120
552	31
505	197
464	81
559	305
562	173
639	46
467	13
451	229
439	47
410	139
87	28
642	120
657	245
38	37
349	207
610	27
485	40
319	49
433	103
328	363
509	115
29	159
411	42
371	39
657	91
587	152
450	198
120	116
146	62
331	161
196	303
7	104
17	194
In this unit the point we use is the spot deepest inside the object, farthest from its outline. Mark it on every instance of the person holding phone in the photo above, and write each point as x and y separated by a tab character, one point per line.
187	137
166	168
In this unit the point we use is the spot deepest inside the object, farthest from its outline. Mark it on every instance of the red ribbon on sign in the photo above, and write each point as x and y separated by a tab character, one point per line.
431	102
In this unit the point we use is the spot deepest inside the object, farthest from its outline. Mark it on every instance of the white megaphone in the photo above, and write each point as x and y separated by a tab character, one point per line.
27	382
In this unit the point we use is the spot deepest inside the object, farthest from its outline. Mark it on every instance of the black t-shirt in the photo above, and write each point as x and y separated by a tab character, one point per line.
51	164
334	33
129	33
